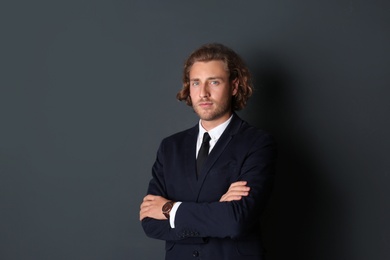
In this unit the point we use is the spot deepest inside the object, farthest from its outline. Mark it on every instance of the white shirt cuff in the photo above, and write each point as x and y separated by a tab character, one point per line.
172	214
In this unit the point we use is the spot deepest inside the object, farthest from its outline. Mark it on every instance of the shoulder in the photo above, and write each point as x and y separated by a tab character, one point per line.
181	136
250	130
242	129
251	137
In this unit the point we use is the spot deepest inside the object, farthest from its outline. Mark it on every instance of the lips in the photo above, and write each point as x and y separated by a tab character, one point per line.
205	104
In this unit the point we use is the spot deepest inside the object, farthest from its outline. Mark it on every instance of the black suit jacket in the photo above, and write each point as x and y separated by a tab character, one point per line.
205	227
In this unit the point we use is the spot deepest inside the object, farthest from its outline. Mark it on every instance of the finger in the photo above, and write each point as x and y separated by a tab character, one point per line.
144	205
234	194
142	216
238	183
237	193
234	197
147	204
146	211
143	210
239	188
149	197
230	198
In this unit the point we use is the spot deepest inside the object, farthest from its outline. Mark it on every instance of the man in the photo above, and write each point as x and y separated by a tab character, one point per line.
211	182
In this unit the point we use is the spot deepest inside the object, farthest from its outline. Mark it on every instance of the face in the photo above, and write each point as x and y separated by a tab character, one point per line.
211	92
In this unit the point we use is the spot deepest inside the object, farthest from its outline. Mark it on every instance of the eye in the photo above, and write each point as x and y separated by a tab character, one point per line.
214	82
195	83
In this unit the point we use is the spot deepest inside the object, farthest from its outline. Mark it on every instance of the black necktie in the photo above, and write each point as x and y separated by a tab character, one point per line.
203	152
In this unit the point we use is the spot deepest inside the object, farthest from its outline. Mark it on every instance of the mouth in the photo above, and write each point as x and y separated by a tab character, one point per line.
205	104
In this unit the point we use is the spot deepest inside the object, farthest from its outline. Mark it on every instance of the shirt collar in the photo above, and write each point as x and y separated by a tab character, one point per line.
216	132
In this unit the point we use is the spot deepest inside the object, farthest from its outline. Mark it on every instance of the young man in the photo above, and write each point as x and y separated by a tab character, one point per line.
211	182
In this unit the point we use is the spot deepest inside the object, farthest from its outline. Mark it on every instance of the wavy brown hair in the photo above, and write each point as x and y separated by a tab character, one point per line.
235	65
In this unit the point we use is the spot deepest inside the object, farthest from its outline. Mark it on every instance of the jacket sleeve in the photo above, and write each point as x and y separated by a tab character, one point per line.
236	218
161	229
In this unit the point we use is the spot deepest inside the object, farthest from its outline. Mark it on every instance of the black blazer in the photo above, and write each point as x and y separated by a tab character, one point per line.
204	226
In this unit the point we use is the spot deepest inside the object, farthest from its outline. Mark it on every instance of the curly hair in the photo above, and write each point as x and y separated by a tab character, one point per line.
235	65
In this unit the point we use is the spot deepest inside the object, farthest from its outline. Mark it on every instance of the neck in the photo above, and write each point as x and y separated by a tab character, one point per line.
210	124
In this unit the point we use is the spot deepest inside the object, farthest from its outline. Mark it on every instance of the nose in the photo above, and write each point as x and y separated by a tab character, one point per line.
203	91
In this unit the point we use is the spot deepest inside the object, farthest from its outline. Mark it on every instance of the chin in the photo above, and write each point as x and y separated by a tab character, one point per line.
209	117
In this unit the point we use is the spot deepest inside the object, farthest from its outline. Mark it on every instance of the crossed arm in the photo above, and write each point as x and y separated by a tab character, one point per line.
151	205
235	213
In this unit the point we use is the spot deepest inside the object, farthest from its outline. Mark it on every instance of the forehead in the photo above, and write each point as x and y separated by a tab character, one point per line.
208	68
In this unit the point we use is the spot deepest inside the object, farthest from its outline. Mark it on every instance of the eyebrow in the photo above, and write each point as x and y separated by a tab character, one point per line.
210	78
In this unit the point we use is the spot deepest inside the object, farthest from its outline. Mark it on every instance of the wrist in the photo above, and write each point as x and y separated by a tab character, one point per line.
167	207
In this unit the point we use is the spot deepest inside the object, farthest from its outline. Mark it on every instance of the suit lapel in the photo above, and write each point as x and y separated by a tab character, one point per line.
219	147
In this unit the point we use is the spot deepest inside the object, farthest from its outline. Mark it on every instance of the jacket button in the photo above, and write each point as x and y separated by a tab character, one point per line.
195	254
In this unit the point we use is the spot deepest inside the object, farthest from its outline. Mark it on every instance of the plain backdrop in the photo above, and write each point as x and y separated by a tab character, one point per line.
87	92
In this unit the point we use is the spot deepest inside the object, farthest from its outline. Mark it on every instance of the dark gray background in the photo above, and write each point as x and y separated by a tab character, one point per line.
88	92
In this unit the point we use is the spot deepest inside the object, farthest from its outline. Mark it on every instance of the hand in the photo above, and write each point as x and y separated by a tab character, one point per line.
236	191
151	207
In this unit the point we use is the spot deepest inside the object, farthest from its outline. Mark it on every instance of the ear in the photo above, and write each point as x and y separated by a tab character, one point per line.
235	84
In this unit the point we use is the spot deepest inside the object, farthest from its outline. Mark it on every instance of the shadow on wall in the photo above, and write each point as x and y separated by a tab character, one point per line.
305	211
